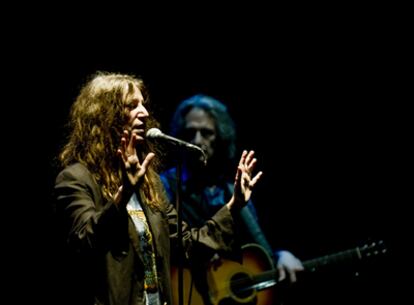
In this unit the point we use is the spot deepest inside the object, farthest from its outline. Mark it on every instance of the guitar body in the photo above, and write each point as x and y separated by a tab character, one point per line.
188	291
229	282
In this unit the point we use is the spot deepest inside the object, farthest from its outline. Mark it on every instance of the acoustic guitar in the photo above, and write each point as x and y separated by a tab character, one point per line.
248	282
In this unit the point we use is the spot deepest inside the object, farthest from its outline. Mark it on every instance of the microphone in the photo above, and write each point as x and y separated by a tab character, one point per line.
156	134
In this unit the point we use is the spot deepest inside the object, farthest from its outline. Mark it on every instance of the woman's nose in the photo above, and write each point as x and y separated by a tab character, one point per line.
142	111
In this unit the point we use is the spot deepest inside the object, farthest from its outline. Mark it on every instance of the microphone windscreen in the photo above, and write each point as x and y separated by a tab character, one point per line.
153	133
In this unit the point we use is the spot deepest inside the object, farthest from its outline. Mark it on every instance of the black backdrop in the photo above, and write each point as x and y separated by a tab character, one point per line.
327	120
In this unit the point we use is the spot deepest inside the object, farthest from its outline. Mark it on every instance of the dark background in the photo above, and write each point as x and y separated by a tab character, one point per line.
322	104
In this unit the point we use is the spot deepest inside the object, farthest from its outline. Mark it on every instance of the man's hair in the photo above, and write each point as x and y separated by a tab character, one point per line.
226	133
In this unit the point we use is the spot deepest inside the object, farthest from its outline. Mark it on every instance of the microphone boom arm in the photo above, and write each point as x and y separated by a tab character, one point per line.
156	134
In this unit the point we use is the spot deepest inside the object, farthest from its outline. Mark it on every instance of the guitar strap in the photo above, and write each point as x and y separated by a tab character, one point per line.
253	227
255	230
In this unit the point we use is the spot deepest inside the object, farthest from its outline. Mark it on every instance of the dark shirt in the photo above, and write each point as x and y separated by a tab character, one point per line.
199	202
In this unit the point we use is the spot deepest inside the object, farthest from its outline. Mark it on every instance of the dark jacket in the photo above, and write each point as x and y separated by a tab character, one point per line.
102	257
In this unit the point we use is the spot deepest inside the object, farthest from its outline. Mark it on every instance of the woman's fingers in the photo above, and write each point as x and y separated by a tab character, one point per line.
255	179
147	161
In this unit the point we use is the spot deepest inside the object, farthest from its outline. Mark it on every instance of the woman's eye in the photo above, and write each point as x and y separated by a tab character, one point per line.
130	105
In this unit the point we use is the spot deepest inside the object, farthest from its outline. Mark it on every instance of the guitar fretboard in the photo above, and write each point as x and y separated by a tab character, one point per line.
314	264
309	265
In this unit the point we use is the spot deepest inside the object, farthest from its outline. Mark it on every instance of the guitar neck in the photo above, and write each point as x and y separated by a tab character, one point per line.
348	255
311	265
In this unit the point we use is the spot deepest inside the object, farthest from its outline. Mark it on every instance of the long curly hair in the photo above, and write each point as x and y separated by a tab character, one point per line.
96	122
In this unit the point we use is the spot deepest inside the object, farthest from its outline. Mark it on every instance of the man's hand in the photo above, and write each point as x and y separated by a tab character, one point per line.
288	264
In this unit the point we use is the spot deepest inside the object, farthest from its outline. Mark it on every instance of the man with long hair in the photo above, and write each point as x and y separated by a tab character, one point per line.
204	121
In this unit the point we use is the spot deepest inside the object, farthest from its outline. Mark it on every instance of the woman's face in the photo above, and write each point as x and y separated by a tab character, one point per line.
137	114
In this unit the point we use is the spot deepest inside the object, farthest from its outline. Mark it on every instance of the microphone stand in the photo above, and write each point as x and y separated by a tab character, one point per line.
179	230
155	133
178	207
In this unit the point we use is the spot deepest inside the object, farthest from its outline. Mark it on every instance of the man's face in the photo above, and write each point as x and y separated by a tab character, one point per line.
200	130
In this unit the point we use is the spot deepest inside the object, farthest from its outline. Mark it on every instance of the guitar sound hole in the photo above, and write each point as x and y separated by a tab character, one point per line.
241	285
